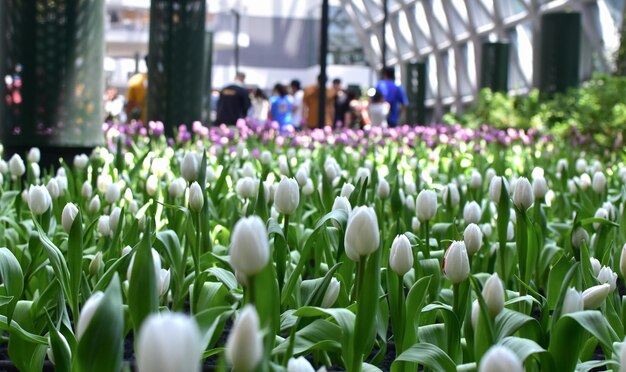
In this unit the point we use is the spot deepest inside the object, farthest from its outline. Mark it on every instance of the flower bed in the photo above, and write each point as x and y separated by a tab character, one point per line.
438	248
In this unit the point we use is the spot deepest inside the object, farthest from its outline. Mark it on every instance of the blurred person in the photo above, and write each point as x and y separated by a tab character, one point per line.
234	101
260	105
297	93
281	106
114	106
378	110
137	96
342	105
311	102
356	116
394	95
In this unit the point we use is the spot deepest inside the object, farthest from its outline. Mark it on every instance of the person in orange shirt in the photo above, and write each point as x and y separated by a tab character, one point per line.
311	102
136	97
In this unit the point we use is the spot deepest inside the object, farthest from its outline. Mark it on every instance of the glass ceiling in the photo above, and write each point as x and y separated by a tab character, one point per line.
447	35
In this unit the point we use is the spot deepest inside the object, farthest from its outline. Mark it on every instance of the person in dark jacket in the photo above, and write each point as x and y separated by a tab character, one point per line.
234	101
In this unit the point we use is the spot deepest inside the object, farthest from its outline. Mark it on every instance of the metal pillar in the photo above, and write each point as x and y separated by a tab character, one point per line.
384	34
494	73
237	25
415	83
52	70
176	62
323	54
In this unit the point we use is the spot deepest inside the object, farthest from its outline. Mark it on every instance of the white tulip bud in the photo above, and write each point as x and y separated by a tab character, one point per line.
164	281
475	313
248	170
540	187
81	161
410	203
426	205
606	275
500	358
622	261
451	192
599	182
578	236
585	181
210	174
581	165
472	212
401	255
67	217
104	226
245	187
510	231
133	208
473	238
415	224
169	342
249	250
573	302
283	166
86	190
594	297
244	347
523	196
493	292
383	189
34	155
308	187
299	365
347	189
95	264
62	183
126	250
495	188
302	176
39	200
176	189
266	157
94	204
362	235
16	165
156	262
112	194
490	173
87	312
190	167
331	294
4	167
341	202
600	213
486	229
152	185
103	181
476	180
410	188
362	174
595	265
196	197
53	188
456	263
36	170
287	196
114	219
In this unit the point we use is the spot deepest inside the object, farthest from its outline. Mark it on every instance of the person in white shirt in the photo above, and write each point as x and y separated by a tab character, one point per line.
378	110
297	94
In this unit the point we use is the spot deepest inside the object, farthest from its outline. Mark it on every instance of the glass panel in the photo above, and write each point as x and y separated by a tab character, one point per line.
478	14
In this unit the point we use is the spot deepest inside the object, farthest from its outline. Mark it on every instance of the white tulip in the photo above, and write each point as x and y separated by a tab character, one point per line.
176	189
287	196
299	365
472	213
401	255
426	205
248	170
164	281
581	165
39	200
302	176
67	217
410	188
34	155
600	213
579	236
249	250
606	275
169	342
456	262
341	202
595	296
573	302
112	194
622	261
490	173
523	196
475	313
363	174
410	203
473	238
81	161
450	192
476	180
87	312
36	170
96	262
510	231
196	197
245	187
495	188
283	166
308	187
347	189
53	188
17	167
4	167
94	204
244	346
499	359
266	157
599	182
362	235
114	219
584	181
86	190
331	294
104	225
383	189
415	224
190	167
493	293
152	185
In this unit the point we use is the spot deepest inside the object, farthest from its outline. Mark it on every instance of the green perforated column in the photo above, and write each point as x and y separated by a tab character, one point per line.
495	66
176	62
51	64
415	84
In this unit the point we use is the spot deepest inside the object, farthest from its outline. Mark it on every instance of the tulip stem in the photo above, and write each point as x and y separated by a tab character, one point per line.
359	278
251	289
426	240
399	335
197	248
